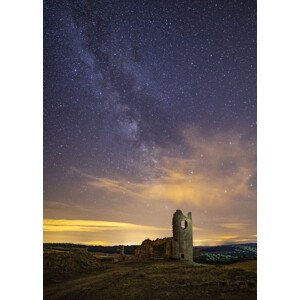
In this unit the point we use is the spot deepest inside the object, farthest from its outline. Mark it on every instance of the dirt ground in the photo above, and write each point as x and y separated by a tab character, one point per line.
156	279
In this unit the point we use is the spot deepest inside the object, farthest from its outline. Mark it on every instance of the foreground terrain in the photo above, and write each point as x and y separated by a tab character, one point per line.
81	275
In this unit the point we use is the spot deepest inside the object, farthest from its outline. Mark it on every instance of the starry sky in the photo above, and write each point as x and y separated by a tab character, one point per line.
149	107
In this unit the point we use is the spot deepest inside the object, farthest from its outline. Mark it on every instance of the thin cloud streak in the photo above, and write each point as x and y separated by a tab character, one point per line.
233	225
53	225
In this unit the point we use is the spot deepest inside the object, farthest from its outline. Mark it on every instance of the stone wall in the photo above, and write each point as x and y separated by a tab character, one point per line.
180	246
159	249
182	236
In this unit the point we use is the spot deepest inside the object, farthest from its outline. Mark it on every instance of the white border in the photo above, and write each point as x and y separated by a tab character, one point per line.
278	149
21	149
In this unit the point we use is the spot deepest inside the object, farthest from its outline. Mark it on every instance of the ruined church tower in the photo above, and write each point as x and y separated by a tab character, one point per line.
182	236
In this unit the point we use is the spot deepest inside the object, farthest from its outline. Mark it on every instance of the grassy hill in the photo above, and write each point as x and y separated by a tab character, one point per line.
78	274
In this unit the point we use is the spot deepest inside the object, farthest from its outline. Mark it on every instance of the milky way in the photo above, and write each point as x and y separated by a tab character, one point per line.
150	106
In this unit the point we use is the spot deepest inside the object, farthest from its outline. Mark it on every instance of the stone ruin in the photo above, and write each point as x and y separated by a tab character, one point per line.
180	246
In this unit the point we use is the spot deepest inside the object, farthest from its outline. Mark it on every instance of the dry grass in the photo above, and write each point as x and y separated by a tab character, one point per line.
250	265
157	279
61	265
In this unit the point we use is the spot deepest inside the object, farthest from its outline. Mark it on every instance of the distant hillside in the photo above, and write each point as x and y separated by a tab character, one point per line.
225	253
202	254
103	249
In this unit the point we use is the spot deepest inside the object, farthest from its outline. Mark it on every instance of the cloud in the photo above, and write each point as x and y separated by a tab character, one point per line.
214	239
233	225
221	240
53	225
114	233
98	243
100	232
214	172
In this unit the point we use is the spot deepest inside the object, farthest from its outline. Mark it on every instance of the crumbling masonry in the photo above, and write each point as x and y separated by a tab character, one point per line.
180	246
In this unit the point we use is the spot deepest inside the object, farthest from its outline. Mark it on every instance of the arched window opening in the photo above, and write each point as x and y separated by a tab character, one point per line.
184	224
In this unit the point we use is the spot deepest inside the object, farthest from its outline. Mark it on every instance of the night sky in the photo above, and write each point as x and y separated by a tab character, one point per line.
149	107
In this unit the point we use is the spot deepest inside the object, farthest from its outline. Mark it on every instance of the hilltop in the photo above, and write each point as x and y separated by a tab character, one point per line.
79	274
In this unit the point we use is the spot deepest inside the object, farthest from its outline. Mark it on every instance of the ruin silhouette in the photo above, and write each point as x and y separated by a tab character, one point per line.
180	246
